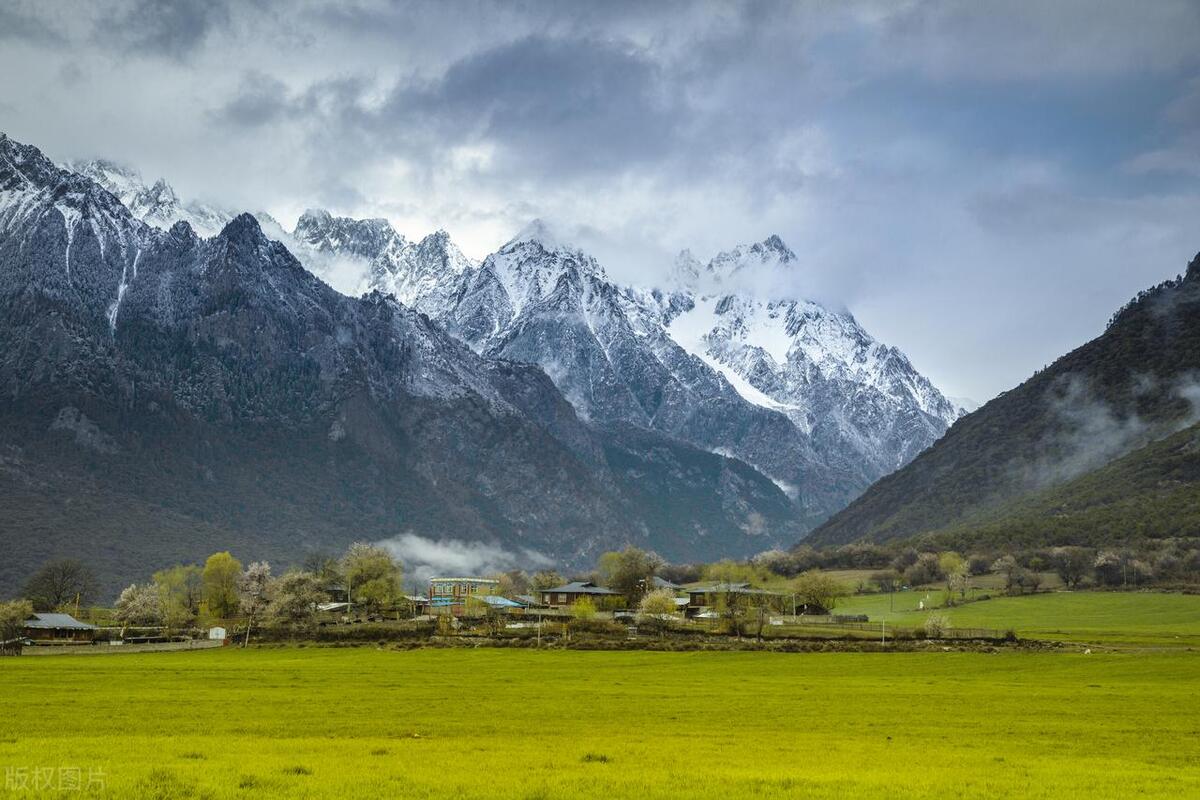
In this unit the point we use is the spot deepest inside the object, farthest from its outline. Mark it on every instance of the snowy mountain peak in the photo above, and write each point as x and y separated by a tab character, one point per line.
755	261
156	205
243	226
685	272
122	180
421	274
541	233
314	217
773	244
27	166
363	238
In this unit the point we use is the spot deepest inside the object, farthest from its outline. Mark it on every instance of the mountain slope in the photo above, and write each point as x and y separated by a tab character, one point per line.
1133	385
1153	491
165	396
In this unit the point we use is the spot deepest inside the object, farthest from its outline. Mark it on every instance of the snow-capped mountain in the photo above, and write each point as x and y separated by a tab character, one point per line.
727	355
167	395
338	260
156	205
364	238
419	274
721	357
817	365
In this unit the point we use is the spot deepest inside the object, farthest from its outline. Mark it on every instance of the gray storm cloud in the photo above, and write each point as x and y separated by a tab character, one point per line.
956	174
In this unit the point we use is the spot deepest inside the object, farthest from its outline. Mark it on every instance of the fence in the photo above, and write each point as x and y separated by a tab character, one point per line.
833	624
109	649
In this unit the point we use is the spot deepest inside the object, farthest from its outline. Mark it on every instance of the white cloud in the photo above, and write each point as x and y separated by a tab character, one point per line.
424	558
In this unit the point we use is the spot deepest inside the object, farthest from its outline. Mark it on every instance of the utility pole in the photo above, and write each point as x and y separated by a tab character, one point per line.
883	632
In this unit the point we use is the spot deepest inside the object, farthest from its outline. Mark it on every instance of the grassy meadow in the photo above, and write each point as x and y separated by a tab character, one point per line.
1137	618
496	723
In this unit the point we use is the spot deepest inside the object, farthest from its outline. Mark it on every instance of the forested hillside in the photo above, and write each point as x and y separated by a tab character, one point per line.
1130	387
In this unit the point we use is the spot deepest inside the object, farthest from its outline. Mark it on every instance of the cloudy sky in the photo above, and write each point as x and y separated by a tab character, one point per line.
981	184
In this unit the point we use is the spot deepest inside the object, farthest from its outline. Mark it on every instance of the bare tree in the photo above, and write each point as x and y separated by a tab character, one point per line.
731	609
1072	564
60	583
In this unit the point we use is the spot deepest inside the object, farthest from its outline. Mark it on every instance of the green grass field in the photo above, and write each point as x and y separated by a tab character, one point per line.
495	723
1139	618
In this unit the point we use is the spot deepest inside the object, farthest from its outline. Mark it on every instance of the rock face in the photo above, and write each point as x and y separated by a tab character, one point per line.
166	395
419	274
721	357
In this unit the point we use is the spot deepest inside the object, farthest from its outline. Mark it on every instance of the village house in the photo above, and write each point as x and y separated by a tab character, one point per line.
57	629
504	604
570	593
709	595
529	601
449	595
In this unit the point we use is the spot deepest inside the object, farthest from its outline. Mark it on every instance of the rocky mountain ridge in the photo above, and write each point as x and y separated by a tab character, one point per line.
706	358
726	355
167	395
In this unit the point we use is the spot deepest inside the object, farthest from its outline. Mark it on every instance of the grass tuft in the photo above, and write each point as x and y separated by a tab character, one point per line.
162	784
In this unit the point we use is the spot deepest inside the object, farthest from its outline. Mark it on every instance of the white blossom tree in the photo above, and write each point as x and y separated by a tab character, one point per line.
254	593
139	605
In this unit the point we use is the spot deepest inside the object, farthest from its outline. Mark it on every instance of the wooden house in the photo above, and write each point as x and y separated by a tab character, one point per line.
570	593
58	629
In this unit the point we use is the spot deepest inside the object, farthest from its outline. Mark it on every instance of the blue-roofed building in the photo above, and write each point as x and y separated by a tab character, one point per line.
450	595
501	603
57	629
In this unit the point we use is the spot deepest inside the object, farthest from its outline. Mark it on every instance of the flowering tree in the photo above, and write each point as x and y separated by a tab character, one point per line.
254	593
139	605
